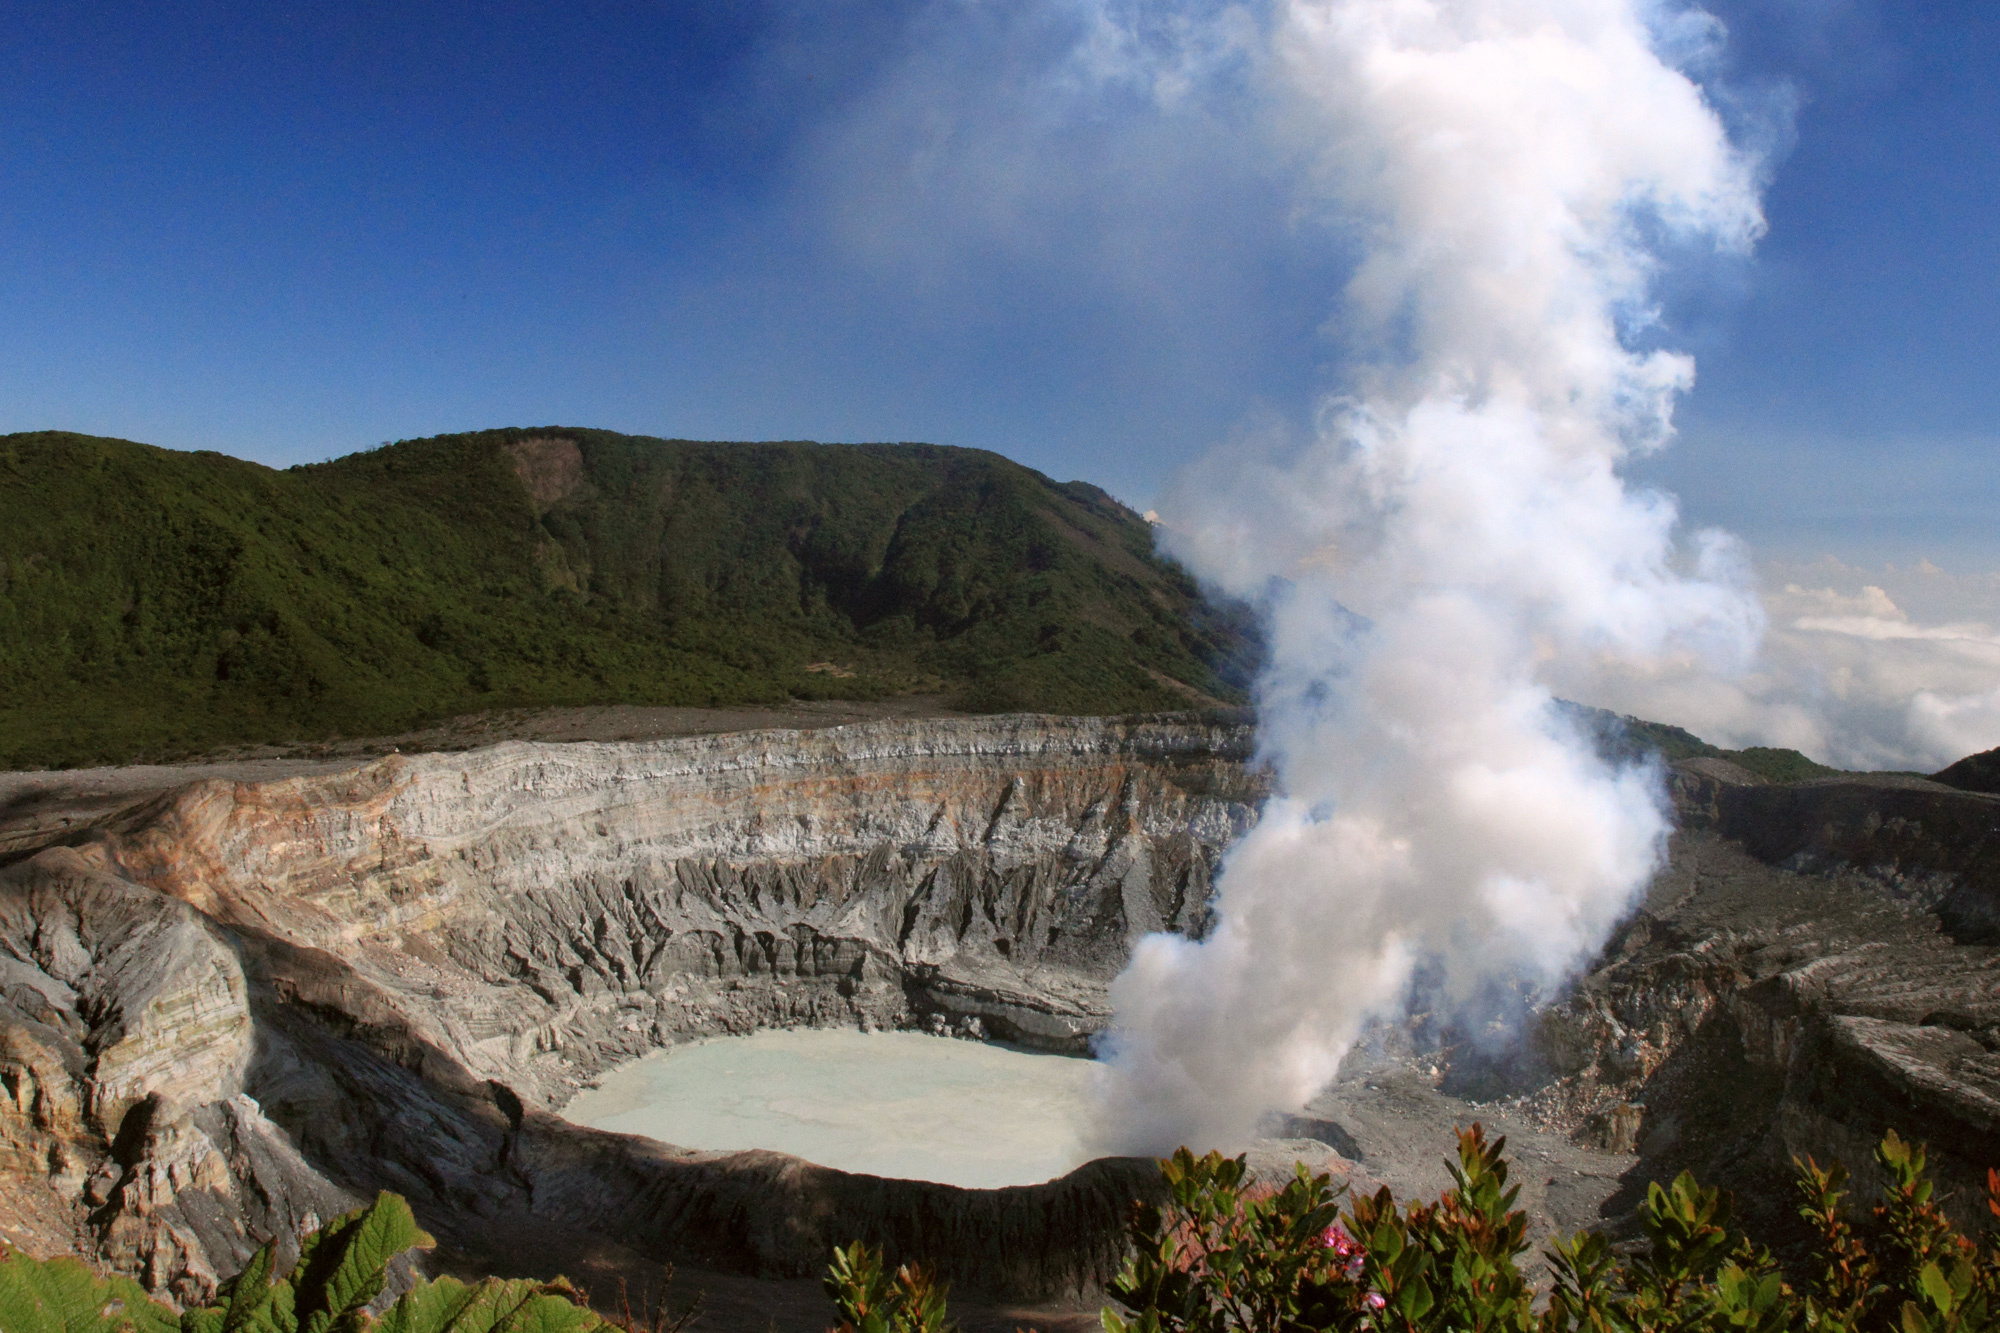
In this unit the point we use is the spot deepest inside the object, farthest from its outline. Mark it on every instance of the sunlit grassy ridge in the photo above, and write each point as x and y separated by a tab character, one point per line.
155	603
1629	738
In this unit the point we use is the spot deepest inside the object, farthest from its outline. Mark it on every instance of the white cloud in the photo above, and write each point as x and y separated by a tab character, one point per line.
1847	674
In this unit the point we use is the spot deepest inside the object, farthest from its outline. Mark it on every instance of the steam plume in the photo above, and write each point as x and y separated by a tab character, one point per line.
1457	526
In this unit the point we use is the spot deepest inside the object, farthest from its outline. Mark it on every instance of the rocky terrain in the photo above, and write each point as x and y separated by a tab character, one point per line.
234	1006
228	1008
1816	965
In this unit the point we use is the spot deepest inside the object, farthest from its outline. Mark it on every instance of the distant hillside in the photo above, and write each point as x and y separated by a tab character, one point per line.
155	603
1631	737
1975	772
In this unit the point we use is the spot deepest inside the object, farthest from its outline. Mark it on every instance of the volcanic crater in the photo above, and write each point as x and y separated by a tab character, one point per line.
230	1008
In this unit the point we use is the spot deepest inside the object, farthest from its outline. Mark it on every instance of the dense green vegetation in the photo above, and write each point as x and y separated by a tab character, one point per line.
340	1271
1224	1255
155	603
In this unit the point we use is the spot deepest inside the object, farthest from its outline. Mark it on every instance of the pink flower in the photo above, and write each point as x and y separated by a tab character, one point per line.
1375	1301
1339	1241
1354	1267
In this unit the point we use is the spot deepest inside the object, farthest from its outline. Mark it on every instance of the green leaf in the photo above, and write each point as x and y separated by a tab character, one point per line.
427	1306
1931	1281
485	1306
245	1293
493	1305
63	1296
347	1265
252	1303
546	1313
1386	1244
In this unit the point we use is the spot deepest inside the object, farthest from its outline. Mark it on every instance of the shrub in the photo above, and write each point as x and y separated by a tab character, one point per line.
340	1271
1222	1255
870	1300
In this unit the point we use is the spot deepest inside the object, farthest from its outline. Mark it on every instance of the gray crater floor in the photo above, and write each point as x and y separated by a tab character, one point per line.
1401	1131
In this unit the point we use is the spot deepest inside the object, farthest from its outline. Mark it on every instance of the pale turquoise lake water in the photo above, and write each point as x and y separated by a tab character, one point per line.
885	1103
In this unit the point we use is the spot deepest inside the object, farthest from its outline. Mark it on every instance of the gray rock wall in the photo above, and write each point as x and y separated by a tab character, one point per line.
239	1006
1798	981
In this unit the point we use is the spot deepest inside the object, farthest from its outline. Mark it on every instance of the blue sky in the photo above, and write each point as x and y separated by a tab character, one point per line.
288	232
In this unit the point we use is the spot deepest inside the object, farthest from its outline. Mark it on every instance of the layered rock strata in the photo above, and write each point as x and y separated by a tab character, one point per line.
232	1009
236	1007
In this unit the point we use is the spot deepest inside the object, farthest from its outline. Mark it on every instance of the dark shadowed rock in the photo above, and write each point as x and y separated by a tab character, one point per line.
1919	840
1798	980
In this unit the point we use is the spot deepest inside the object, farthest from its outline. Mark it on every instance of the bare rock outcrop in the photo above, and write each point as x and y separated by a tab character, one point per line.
125	1040
1800	978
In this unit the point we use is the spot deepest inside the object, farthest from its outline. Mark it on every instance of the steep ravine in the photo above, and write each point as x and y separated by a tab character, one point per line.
231	1009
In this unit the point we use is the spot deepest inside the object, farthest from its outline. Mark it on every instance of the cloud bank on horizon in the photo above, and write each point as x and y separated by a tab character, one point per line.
1871	669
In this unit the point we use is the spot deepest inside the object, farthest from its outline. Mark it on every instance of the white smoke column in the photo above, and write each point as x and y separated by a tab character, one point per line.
1456	527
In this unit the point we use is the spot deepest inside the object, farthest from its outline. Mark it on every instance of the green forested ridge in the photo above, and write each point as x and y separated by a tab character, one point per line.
1631	737
1975	772
156	603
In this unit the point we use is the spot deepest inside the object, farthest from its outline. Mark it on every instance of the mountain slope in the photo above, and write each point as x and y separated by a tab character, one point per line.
155	603
1975	772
